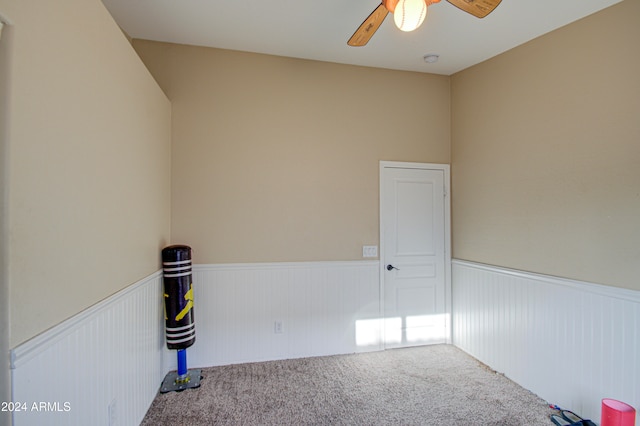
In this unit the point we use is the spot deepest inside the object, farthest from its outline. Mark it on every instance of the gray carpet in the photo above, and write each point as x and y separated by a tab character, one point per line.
428	385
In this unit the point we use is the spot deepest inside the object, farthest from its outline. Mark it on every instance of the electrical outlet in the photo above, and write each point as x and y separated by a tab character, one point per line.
369	251
277	327
113	415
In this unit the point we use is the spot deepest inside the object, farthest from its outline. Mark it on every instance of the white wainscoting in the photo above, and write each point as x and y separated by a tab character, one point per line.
325	308
105	363
572	343
108	361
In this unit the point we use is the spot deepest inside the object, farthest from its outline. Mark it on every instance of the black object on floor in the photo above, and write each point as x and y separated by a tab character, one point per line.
173	382
569	418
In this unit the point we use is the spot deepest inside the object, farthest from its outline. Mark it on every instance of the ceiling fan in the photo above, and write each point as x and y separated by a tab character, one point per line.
409	14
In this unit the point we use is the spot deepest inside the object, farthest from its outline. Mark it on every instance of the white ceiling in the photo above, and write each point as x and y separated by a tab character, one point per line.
320	29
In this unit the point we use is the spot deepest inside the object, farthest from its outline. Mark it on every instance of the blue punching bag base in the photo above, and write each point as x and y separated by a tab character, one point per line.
173	382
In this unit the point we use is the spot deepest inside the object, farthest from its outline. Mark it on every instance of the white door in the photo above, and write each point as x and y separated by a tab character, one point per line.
413	243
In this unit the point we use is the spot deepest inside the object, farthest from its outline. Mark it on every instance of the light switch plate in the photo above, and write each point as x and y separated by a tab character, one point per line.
369	251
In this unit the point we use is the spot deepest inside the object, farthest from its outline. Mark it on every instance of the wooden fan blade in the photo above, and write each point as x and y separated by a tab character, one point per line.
368	27
478	8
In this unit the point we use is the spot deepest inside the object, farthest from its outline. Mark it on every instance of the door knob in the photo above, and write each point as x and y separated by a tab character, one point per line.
391	267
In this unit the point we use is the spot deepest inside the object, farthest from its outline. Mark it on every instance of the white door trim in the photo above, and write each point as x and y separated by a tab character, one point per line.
447	233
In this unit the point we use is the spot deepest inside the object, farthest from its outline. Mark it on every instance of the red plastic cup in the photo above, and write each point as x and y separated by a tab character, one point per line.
617	413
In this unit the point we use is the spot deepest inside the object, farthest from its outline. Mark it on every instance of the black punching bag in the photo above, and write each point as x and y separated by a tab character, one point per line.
178	297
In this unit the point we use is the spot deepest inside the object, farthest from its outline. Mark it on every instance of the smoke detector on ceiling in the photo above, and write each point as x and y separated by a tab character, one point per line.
431	58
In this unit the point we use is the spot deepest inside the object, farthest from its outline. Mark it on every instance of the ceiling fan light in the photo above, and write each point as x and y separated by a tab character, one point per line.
410	14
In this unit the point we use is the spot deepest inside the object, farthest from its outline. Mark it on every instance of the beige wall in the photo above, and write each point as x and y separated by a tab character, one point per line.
89	163
546	153
276	159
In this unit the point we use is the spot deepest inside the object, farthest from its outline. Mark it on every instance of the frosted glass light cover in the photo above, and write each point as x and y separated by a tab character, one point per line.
410	14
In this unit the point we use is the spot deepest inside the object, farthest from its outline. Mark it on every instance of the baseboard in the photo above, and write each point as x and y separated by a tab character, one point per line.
102	366
323	308
570	342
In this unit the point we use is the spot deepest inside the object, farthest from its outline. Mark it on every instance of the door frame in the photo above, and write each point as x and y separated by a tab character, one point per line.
445	168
